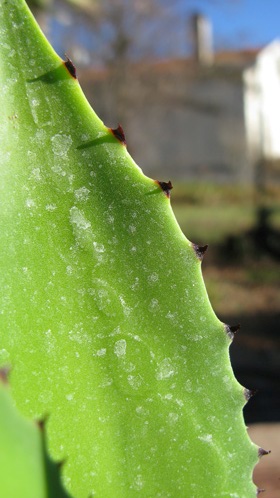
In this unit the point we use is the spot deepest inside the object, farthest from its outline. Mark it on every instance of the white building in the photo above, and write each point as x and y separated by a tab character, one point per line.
262	108
215	117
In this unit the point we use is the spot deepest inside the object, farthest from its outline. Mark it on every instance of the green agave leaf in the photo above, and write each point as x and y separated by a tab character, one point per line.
104	314
26	469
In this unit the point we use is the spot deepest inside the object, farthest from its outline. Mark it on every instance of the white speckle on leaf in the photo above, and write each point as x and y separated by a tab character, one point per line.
188	386
227	382
101	352
61	144
35	102
51	207
120	348
71	178
128	366
153	278
107	381
135	285
206	438
168	396
173	417
179	402
40	136
69	270
115	241
125	307
36	174
58	170
82	194
170	316
67	480
142	411
105	297
134	381
30	203
154	305
196	338
98	247
45	397
4	355
165	369
78	218
138	483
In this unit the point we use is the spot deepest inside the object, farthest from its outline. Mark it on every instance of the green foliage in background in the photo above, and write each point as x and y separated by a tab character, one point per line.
105	319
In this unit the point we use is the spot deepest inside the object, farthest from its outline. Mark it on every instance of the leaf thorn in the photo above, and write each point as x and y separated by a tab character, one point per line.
249	393
119	133
231	330
70	66
166	187
200	251
4	374
262	452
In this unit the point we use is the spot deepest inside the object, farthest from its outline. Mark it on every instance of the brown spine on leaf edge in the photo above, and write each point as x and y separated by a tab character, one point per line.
200	251
166	187
41	423
4	374
70	66
262	452
231	330
249	393
119	134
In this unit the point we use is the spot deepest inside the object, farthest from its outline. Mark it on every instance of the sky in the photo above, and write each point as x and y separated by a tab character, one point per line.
236	24
240	23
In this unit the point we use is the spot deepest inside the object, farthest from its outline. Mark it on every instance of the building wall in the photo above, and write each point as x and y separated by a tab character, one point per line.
197	136
180	126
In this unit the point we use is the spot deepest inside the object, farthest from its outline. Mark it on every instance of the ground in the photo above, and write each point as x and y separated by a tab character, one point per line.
267	472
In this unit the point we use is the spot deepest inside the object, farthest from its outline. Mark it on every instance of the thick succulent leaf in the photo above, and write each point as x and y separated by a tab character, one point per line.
26	469
104	313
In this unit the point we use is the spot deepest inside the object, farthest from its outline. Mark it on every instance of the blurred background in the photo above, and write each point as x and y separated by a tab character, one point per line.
196	87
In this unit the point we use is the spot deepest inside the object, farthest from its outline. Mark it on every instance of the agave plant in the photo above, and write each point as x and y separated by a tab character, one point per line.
105	320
